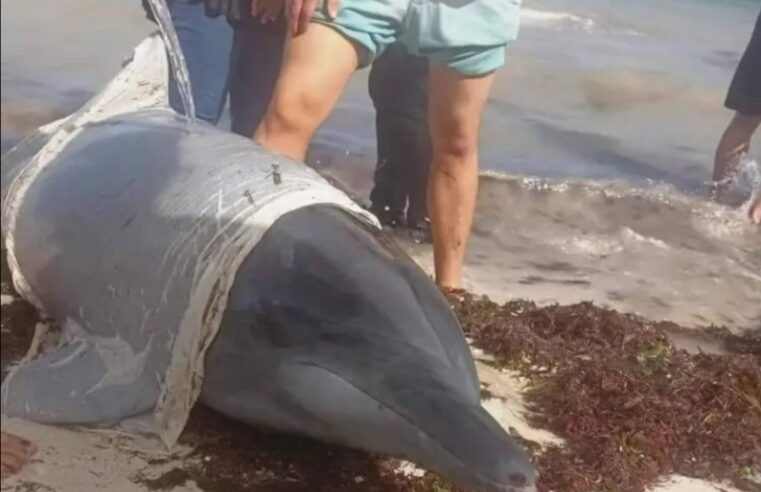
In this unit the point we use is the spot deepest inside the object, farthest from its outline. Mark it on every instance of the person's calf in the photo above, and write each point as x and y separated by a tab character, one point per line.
285	130
733	144
452	196
755	212
451	204
455	107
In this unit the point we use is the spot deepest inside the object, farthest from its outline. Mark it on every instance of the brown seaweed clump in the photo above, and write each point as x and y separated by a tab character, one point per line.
17	322
235	458
631	407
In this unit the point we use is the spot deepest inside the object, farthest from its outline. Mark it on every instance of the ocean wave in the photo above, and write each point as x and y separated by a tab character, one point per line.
592	245
600	217
660	192
548	19
633	236
743	181
551	19
649	249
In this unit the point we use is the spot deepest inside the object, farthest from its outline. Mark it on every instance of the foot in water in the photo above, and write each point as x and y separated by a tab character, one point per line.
15	452
420	230
755	212
387	216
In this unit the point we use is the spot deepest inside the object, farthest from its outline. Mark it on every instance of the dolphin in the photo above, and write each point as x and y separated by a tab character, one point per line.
184	263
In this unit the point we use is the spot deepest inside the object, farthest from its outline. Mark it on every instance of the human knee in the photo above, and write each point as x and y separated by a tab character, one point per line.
456	139
292	114
455	126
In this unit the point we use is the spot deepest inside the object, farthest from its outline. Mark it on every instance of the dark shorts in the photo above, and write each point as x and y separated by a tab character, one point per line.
744	94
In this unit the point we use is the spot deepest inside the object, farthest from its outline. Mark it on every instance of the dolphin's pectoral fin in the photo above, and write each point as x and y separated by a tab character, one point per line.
75	385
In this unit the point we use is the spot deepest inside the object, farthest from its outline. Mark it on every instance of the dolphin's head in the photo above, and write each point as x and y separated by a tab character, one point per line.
332	331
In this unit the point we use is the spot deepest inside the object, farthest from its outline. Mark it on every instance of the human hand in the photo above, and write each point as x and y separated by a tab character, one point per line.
232	9
16	452
300	14
267	10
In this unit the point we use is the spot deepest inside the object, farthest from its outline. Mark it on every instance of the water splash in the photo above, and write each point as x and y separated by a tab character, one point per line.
176	58
741	184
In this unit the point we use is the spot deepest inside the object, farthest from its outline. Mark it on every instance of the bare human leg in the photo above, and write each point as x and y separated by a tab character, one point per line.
316	68
755	211
15	453
455	106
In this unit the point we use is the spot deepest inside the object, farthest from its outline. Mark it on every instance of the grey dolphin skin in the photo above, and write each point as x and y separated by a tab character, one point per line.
351	343
180	269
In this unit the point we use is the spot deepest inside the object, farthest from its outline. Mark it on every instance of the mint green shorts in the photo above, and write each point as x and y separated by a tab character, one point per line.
469	36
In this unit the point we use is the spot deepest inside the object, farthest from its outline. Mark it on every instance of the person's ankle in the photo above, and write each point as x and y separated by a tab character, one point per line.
419	223
420	231
755	212
386	216
448	283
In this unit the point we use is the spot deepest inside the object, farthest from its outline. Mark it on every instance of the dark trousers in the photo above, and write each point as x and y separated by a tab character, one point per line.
744	95
254	68
399	89
401	174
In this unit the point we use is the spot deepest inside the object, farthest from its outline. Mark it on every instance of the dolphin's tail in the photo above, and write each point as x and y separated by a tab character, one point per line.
78	384
430	426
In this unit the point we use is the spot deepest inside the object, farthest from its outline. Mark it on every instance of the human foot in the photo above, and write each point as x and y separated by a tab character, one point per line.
755	212
420	230
387	216
15	453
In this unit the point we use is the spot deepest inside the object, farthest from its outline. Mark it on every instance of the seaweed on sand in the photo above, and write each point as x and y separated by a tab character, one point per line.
630	406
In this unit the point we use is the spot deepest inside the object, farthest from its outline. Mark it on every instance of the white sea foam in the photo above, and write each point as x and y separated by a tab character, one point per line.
548	19
555	20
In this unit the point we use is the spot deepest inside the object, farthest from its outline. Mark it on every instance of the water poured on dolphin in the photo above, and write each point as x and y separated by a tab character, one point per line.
190	263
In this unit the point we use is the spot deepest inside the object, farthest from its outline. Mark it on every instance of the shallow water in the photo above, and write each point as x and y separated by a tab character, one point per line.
615	107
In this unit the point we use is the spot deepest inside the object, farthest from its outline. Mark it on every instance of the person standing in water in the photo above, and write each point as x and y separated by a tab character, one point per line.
744	97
